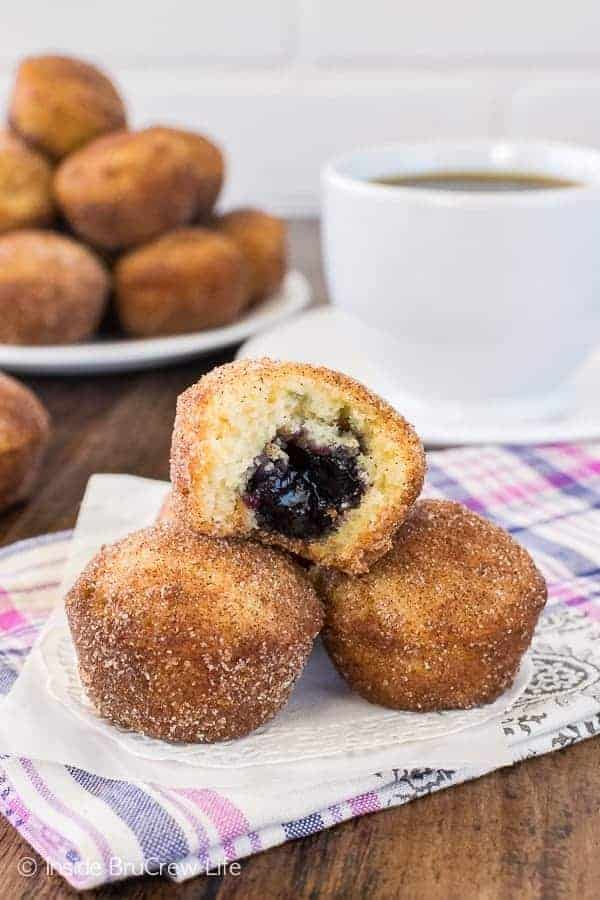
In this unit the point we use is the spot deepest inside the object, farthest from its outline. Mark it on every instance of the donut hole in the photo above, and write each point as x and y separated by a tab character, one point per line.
301	488
297	456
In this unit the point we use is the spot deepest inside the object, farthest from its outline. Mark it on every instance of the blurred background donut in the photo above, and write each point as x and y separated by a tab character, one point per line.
53	290
59	103
127	188
24	435
70	164
262	240
188	280
25	185
209	168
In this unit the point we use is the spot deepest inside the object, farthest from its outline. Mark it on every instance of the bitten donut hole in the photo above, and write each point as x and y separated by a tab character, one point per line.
301	488
297	456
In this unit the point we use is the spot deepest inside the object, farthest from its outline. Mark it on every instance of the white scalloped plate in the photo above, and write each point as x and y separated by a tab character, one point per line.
323	718
99	356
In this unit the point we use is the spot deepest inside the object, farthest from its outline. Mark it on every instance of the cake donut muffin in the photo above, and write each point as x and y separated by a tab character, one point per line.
262	240
442	621
189	638
24	435
53	290
297	456
186	281
26	199
60	103
129	187
209	168
168	509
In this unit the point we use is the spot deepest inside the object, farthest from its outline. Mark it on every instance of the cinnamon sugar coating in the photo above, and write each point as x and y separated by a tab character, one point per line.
53	290
128	187
209	168
442	621
185	281
262	240
225	421
24	435
26	199
168	510
189	638
59	103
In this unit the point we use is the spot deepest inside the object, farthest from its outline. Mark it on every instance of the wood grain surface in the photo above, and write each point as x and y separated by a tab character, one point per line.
532	831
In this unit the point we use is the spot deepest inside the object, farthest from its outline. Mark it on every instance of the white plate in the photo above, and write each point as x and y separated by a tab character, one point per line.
145	353
331	338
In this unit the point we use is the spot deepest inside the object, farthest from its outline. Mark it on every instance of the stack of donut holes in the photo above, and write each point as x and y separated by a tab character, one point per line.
196	628
90	210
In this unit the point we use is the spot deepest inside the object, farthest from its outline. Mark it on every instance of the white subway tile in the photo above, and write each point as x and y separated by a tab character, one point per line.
278	132
142	30
402	29
566	109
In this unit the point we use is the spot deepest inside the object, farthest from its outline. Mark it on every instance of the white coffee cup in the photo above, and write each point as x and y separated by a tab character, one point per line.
476	298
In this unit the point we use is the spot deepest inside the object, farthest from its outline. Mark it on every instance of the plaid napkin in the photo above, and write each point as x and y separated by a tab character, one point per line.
95	830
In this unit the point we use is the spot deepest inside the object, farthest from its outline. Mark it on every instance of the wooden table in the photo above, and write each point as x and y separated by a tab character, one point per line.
529	831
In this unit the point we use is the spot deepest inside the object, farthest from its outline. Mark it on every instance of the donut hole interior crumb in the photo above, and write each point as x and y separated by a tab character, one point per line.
259	420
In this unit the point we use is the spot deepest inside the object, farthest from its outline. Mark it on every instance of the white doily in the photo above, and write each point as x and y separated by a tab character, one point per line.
322	719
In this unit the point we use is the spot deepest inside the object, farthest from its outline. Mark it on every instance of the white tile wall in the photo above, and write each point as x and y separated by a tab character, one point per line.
278	131
445	29
144	30
284	84
564	109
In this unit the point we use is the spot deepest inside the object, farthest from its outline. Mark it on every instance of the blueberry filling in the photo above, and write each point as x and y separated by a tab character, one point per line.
301	490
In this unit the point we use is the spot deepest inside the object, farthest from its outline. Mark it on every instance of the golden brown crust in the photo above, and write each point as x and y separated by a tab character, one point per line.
53	290
209	169
24	435
168	509
443	620
128	187
25	186
193	449
172	511
186	281
188	638
59	103
262	239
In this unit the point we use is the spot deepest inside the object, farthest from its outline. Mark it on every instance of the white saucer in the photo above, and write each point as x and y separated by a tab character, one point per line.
329	337
145	353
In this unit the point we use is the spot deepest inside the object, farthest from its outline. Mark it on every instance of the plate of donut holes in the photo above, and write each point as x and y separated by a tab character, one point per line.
295	511
113	254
